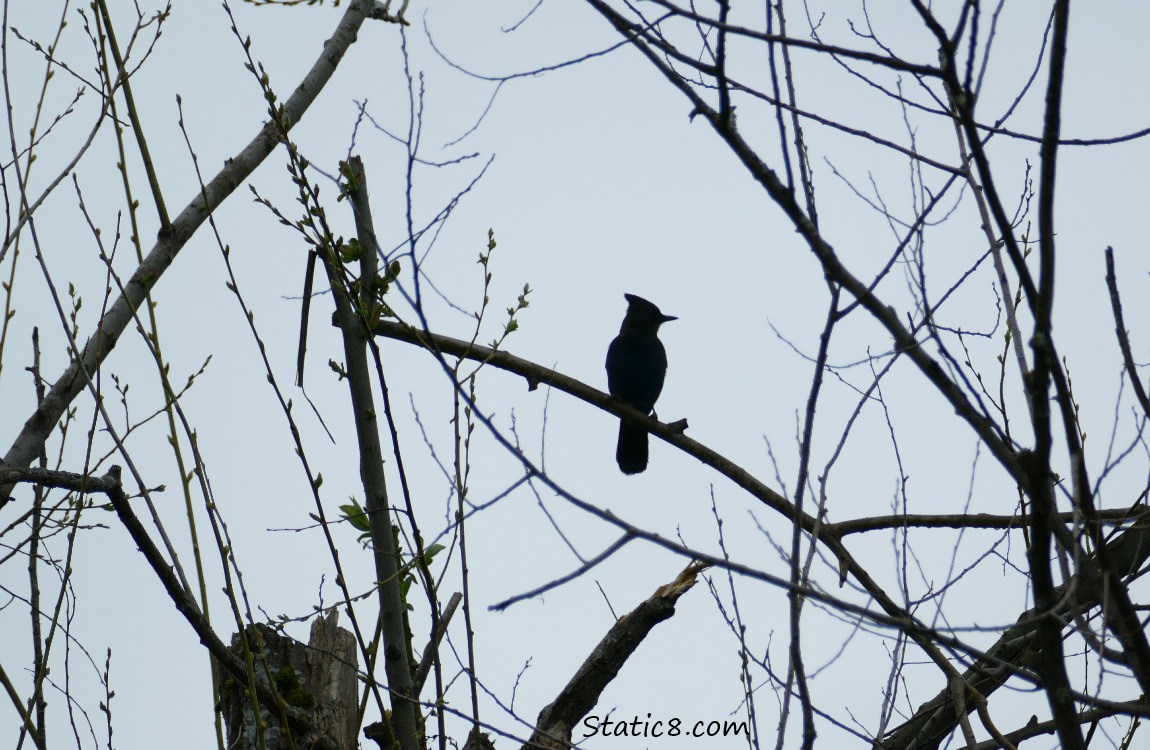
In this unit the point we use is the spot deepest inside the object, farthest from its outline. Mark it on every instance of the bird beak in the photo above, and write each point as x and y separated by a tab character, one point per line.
668	318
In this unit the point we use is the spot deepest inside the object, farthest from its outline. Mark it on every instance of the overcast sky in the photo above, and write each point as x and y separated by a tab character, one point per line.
596	182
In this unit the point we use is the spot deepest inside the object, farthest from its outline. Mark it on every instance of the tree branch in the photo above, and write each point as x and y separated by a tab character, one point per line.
405	723
77	375
1123	337
556	721
110	486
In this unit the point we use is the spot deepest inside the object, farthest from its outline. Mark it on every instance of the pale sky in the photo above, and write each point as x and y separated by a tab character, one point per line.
599	183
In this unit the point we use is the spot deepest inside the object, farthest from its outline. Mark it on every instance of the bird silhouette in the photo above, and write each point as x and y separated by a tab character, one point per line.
636	366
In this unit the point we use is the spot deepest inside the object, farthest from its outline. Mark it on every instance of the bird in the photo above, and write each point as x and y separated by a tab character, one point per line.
636	367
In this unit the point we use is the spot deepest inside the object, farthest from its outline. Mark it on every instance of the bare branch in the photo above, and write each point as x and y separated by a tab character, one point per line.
558	719
237	169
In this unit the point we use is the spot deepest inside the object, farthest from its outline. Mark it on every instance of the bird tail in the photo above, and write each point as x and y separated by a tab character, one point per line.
631	454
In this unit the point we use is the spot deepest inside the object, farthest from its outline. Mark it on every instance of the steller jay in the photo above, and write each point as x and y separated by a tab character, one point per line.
636	365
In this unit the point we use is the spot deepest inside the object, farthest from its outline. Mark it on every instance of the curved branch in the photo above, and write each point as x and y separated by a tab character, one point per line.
536	374
110	486
895	615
